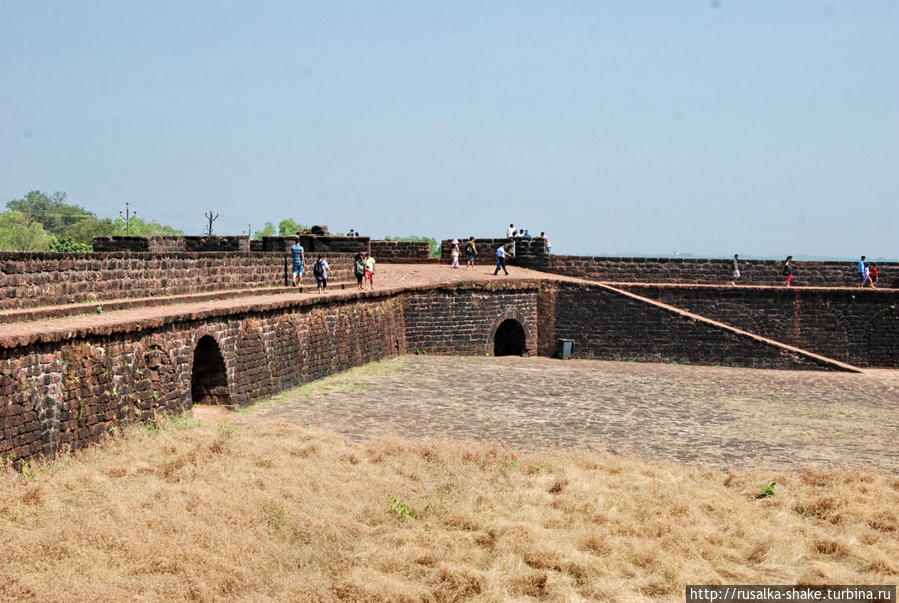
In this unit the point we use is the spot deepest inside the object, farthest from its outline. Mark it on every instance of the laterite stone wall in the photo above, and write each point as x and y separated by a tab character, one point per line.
30	279
610	326
856	326
463	320
62	396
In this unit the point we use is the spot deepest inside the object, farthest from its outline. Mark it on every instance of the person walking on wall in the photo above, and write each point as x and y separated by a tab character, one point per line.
737	274
455	253
299	259
320	269
510	231
869	277
788	270
359	270
369	274
471	250
874	272
501	260
549	246
861	272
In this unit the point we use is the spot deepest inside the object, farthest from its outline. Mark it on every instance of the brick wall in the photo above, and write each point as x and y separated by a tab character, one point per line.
401	252
30	279
610	326
62	391
318	244
701	271
860	327
58	397
172	244
463	320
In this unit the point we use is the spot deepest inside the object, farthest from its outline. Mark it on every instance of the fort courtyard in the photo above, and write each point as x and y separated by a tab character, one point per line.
726	417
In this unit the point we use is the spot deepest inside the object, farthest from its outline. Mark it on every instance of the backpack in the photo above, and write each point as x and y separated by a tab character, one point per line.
786	269
317	268
468	249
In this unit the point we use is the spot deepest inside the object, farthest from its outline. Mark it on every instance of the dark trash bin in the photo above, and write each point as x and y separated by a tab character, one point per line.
564	348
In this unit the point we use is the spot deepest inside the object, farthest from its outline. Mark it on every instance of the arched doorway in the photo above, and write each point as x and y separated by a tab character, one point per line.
209	380
509	338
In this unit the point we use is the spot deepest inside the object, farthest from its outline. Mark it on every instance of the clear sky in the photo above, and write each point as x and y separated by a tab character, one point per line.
627	127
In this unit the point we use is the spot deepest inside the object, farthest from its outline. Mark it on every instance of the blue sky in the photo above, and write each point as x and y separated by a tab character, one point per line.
638	127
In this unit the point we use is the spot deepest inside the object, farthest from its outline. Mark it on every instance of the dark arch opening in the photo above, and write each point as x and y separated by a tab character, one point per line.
509	339
209	380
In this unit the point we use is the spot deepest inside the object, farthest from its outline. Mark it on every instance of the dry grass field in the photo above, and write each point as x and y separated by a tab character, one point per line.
274	511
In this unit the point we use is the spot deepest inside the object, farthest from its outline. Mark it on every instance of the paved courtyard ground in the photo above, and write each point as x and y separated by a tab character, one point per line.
726	417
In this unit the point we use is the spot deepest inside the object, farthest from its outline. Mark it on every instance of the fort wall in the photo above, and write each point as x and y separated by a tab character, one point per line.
58	396
62	389
30	279
531	254
861	327
401	252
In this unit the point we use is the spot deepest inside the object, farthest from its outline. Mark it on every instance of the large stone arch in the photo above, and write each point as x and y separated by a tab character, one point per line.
209	376
507	320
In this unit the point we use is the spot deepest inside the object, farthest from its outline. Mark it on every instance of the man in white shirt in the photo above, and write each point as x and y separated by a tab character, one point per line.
501	260
510	231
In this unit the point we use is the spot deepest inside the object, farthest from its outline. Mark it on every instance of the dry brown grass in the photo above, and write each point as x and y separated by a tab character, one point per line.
275	511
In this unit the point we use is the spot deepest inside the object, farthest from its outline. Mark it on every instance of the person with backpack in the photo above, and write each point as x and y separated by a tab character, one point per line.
359	269
471	250
788	270
320	269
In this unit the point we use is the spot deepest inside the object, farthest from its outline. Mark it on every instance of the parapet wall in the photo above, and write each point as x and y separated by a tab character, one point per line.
30	279
171	244
401	252
699	271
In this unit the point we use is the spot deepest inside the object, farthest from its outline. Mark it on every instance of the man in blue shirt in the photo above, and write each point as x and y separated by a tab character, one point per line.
299	258
861	271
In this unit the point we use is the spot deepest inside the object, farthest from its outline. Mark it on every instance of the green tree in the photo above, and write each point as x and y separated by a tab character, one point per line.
67	244
18	232
288	227
52	212
267	231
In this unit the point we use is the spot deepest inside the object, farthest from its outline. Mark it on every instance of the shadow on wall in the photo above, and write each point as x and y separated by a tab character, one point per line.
209	380
509	339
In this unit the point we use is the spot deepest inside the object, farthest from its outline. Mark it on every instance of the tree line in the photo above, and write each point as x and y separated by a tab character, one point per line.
46	222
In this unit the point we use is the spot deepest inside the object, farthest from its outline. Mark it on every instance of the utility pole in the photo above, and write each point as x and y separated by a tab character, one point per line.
127	216
211	219
249	231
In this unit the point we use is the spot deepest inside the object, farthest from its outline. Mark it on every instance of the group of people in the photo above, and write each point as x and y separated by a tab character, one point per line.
363	268
471	252
867	273
523	233
470	249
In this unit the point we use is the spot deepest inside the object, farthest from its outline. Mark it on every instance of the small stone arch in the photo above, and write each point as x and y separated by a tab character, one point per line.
509	335
209	377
